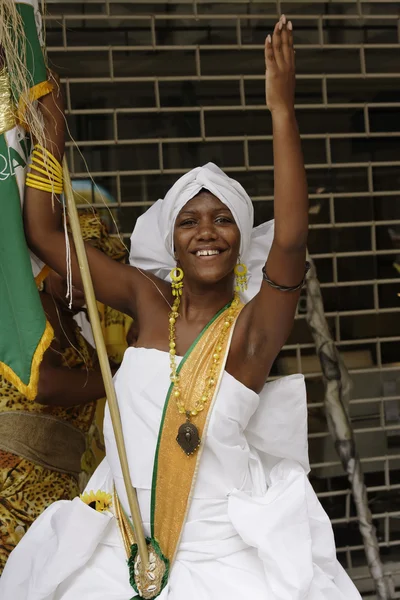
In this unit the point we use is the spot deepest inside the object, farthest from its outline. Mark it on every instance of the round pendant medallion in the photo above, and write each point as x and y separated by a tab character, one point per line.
188	438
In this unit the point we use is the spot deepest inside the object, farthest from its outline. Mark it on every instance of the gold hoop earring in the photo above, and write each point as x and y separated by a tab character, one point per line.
240	271
176	281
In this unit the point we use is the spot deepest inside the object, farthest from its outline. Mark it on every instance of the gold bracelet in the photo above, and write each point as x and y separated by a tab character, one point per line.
52	158
36	155
48	167
53	189
43	187
44	180
53	182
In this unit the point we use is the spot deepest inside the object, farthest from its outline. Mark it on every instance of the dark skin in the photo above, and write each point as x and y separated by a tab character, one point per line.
204	223
58	384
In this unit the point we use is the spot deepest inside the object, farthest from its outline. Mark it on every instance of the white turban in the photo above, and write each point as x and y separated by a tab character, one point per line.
152	241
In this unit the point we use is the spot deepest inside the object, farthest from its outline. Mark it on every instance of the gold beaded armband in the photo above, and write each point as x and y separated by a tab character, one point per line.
44	162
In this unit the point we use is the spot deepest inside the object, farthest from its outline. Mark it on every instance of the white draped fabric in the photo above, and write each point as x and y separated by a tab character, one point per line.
152	246
255	528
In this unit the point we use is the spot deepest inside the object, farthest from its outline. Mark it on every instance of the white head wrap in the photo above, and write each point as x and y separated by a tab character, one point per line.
152	243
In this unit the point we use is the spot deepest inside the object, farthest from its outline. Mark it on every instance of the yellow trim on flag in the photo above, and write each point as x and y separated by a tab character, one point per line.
30	390
35	92
40	277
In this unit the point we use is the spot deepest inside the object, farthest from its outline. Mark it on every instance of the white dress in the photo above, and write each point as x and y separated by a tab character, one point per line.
255	528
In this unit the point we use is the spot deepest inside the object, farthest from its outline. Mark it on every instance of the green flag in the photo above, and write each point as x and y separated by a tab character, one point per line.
24	332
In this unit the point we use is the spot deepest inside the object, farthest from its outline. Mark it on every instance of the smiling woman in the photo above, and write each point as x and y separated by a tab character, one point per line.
218	457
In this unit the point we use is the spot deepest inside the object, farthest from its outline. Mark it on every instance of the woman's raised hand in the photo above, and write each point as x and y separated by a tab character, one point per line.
280	67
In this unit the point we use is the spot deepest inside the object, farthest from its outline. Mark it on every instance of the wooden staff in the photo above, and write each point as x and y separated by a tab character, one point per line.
104	363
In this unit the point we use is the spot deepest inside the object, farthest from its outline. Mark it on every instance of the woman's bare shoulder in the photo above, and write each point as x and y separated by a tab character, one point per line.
151	294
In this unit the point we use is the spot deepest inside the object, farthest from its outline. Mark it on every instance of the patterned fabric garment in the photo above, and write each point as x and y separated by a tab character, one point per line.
26	488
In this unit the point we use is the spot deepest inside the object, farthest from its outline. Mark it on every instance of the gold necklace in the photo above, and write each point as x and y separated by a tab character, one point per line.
188	436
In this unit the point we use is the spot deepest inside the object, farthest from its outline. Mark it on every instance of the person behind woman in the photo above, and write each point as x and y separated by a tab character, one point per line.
42	441
45	445
219	460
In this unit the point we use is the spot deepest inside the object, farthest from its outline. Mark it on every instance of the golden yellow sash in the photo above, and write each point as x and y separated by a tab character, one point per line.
174	474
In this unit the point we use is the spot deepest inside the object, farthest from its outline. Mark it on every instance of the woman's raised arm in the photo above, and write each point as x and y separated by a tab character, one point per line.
270	314
113	282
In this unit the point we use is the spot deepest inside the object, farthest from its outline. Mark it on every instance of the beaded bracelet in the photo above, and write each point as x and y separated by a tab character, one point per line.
285	288
53	182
